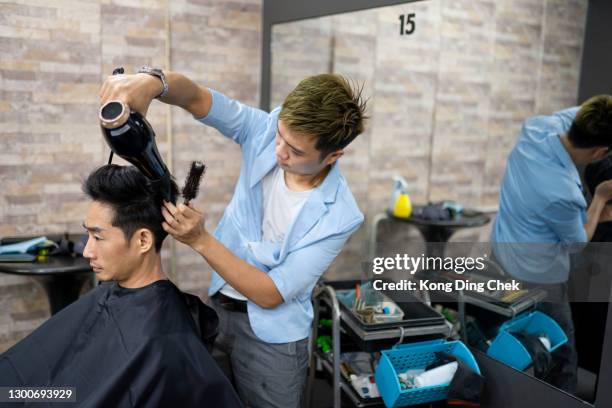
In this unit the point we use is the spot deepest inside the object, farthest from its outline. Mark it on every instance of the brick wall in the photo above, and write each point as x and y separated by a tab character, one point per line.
53	59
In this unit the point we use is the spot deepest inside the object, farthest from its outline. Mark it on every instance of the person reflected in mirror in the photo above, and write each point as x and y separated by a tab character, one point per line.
543	215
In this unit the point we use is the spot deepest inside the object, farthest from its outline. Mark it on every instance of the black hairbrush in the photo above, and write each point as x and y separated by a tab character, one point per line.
192	184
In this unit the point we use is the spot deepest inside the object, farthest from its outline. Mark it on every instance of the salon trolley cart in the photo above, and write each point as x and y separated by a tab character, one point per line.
421	322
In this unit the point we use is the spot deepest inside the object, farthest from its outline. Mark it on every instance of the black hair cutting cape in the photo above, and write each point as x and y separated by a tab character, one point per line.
125	348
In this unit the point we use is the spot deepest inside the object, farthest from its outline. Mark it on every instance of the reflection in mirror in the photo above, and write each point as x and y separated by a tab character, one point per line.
449	86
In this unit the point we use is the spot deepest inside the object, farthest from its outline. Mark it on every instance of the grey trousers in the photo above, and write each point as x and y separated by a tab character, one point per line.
265	374
564	371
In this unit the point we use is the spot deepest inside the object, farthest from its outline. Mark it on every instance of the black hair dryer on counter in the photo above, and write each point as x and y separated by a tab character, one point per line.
130	136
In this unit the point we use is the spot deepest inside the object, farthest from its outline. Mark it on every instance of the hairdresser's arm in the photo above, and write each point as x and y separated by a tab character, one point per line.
138	90
598	210
185	223
593	215
253	283
565	118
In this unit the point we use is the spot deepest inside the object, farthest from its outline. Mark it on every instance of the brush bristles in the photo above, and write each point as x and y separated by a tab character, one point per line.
192	184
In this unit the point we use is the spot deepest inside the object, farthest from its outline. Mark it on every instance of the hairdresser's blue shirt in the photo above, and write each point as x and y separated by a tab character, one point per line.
542	210
319	231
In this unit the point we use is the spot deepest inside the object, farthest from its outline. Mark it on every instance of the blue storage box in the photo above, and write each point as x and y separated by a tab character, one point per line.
509	350
412	356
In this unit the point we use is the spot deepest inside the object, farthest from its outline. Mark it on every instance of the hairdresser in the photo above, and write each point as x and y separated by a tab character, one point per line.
543	217
290	216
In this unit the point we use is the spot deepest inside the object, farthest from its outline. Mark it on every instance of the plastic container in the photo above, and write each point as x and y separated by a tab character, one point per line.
415	312
394	312
509	350
413	356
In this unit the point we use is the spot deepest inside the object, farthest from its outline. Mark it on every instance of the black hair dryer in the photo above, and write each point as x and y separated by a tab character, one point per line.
130	136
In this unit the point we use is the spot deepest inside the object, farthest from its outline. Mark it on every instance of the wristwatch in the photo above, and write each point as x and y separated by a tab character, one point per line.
158	73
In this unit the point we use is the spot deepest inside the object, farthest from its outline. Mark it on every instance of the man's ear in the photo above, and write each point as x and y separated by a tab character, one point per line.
144	240
600	152
333	156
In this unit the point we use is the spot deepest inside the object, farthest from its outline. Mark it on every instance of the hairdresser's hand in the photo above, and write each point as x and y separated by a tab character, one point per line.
183	222
606	214
604	190
137	91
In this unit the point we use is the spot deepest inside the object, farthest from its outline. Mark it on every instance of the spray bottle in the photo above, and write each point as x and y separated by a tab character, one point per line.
400	201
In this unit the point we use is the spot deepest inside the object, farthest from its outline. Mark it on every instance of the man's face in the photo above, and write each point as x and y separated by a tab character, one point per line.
110	255
296	153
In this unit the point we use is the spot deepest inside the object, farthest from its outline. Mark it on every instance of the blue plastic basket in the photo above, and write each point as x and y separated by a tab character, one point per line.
412	356
509	350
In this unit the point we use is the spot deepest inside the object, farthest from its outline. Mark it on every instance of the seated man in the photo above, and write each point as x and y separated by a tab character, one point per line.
134	340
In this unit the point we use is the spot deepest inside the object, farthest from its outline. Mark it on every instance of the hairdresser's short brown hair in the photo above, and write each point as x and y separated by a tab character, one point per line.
328	108
592	126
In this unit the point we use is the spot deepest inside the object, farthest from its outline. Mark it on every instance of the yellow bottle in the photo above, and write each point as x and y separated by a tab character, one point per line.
400	203
403	206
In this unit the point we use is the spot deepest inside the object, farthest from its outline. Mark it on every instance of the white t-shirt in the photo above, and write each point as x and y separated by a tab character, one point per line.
281	206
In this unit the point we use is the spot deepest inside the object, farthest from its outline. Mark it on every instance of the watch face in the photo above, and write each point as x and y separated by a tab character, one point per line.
148	70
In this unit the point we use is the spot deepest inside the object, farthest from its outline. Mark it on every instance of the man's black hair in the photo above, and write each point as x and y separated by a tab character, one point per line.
136	200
